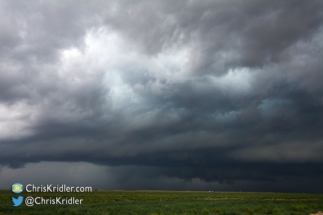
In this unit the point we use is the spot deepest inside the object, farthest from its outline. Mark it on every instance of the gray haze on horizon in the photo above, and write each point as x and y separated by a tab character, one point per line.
149	94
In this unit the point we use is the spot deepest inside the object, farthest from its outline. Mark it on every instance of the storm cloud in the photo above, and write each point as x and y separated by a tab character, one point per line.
223	95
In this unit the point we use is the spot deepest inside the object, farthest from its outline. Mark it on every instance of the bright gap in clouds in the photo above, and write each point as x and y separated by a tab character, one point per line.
112	55
15	121
236	81
107	53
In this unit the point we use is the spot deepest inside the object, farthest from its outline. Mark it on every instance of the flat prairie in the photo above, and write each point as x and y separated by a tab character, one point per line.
133	202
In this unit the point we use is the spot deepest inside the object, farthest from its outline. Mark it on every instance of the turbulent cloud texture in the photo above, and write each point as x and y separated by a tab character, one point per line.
198	94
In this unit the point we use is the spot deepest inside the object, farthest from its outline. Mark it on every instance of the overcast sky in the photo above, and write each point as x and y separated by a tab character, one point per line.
198	95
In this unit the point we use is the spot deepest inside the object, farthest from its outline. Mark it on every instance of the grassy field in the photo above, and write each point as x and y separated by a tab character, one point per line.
170	202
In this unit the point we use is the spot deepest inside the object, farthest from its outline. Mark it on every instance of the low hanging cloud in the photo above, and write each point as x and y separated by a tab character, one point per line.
207	92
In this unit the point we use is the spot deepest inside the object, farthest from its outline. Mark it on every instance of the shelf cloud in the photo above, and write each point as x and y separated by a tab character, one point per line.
189	94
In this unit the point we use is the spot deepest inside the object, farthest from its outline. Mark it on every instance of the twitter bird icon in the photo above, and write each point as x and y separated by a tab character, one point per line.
17	201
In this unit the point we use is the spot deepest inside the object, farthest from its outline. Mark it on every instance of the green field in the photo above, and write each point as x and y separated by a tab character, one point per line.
170	202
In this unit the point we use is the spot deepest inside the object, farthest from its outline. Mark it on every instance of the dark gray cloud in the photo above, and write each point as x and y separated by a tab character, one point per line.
200	94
